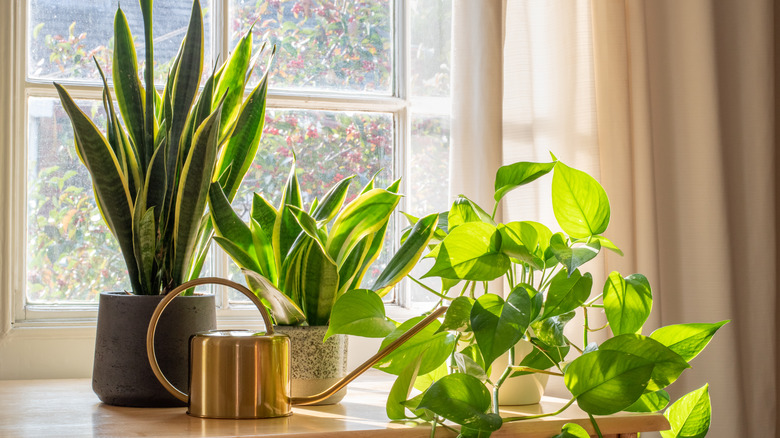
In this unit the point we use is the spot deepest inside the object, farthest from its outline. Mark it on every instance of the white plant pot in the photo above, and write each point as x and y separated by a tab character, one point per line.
521	390
316	366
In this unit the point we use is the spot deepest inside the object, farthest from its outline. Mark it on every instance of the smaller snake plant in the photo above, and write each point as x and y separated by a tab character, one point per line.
300	261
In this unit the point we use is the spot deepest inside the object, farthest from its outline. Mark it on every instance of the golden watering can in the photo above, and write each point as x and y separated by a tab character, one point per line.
246	374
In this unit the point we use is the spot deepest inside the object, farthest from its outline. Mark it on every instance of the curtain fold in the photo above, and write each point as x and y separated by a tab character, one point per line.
522	87
475	150
548	101
685	98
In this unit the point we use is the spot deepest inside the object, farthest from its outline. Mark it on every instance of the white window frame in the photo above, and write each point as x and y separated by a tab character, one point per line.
46	341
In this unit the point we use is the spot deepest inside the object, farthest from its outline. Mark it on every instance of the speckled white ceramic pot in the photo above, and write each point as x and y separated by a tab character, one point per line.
315	366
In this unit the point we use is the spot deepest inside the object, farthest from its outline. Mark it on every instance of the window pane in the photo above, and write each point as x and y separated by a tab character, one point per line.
429	182
329	146
64	36
429	167
71	255
332	45
430	51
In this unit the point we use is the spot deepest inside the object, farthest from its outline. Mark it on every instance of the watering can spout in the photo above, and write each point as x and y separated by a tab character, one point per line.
243	374
365	366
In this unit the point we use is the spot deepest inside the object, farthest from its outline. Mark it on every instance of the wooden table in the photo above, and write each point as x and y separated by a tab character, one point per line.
69	408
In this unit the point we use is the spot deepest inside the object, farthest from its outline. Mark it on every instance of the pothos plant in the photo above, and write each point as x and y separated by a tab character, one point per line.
450	362
299	261
152	171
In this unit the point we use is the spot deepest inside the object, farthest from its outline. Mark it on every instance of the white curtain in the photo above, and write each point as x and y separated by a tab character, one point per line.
522	86
475	152
671	104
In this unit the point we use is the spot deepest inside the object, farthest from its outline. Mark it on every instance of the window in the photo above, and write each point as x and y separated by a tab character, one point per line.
357	87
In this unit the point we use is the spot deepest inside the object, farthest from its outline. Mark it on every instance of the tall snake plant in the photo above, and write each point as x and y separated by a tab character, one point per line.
152	170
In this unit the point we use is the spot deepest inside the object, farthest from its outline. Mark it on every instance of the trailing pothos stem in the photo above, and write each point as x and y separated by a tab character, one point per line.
572	344
549	414
504	376
465	338
465	287
595	425
519	369
449	428
541	350
599	329
585	327
546	281
593	301
424	286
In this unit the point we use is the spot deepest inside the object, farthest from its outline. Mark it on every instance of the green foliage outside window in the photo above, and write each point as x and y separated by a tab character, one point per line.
71	261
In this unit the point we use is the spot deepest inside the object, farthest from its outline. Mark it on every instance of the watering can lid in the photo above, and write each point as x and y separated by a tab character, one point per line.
237	334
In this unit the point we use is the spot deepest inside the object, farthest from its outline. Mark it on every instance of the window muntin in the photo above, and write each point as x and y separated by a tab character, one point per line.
430	55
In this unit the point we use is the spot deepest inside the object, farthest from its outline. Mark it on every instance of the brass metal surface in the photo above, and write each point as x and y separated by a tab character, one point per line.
233	374
239	374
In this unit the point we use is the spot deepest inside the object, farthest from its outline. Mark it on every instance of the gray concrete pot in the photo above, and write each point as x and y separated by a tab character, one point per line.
121	374
315	366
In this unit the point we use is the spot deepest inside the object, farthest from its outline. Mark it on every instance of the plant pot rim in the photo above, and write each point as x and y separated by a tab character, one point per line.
130	294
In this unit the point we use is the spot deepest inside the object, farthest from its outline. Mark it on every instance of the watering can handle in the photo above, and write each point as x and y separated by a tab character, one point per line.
310	400
269	327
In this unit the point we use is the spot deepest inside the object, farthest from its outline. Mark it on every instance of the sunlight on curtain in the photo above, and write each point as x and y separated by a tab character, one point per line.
548	96
546	103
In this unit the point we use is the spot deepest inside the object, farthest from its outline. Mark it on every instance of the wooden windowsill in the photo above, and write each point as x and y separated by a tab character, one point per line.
39	408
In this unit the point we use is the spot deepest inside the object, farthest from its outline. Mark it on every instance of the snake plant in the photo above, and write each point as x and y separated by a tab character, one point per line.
301	261
152	170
